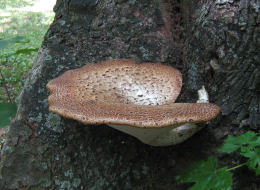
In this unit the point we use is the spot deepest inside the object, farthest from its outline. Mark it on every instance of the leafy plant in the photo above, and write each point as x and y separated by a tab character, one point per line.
16	59
17	52
249	145
5	74
205	174
7	111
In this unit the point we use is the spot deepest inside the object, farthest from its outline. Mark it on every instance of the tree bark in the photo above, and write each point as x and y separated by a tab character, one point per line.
222	48
213	43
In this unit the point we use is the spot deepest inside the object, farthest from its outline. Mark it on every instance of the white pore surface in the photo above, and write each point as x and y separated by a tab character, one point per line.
163	136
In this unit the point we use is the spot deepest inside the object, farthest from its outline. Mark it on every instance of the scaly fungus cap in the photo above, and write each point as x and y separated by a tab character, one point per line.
123	92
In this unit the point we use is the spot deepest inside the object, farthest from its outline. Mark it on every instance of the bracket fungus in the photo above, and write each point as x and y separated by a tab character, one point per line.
138	99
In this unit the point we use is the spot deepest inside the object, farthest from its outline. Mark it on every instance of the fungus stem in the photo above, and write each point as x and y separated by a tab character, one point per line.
203	95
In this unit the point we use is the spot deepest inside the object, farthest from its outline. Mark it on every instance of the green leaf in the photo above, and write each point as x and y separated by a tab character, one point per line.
254	159
7	111
249	144
248	139
206	176
26	51
17	39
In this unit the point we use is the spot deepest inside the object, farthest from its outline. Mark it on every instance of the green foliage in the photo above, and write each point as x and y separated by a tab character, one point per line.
17	39
254	159
206	176
232	143
7	111
21	36
249	145
11	77
25	51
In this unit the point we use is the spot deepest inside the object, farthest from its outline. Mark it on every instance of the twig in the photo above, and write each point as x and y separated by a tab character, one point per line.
238	166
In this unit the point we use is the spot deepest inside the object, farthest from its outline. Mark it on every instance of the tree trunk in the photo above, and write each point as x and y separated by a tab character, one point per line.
223	52
213	43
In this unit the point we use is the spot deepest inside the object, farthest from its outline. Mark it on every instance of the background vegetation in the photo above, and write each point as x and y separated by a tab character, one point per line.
23	24
27	18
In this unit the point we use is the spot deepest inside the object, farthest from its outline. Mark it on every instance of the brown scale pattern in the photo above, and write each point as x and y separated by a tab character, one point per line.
124	92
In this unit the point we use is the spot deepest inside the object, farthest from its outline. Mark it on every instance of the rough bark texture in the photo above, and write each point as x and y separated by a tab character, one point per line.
220	41
223	52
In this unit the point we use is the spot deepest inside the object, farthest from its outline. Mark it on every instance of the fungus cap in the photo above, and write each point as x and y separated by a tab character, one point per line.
123	92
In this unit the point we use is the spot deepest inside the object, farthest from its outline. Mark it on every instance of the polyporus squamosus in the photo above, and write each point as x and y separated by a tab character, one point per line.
137	99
